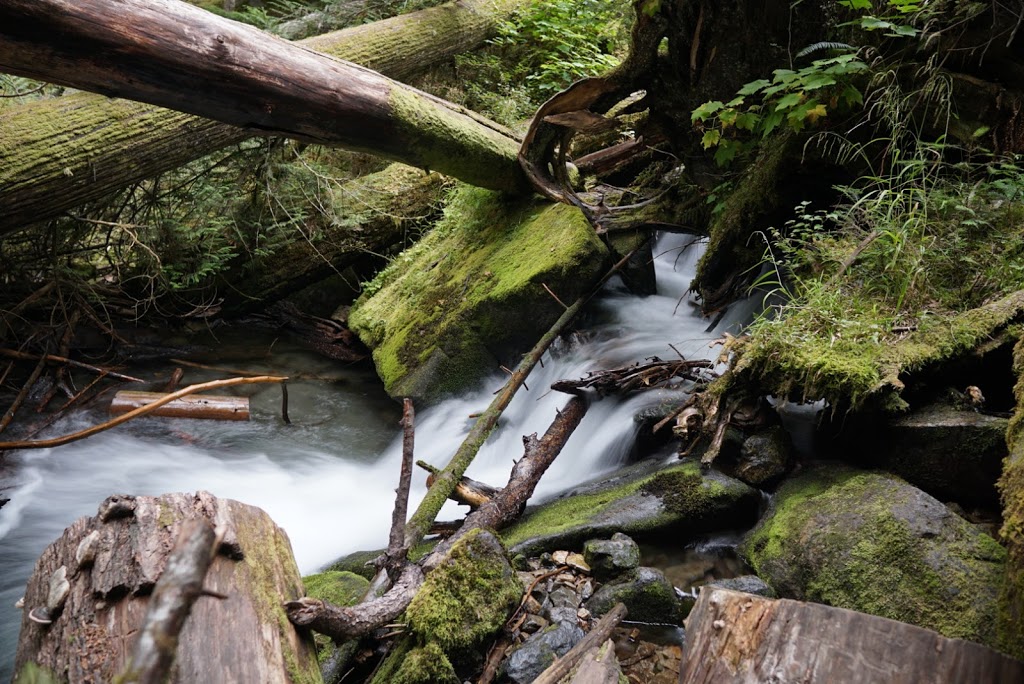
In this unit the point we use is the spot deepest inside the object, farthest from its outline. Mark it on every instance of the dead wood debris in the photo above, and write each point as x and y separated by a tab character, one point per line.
653	374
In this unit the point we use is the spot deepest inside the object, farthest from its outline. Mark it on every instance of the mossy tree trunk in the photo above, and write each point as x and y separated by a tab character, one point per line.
112	562
56	154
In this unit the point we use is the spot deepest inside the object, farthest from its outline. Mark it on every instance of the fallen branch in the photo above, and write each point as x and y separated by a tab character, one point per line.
20	399
177	589
468	492
148	408
398	550
657	373
597	636
14	354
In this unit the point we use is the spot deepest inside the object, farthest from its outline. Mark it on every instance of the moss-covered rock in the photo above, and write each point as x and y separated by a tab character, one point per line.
472	293
466	598
637	501
410	664
338	587
1011	488
873	543
646	593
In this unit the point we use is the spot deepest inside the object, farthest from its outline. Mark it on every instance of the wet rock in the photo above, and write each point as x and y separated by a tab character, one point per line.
748	584
764	458
950	453
648	596
529	660
637	500
873	543
611	557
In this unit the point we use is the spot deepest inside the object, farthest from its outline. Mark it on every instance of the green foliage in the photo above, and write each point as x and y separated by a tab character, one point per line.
539	52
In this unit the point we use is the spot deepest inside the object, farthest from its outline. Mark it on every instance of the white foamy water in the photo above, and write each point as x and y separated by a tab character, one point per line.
329	479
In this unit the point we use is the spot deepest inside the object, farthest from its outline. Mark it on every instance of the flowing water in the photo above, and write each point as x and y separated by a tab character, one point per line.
328	479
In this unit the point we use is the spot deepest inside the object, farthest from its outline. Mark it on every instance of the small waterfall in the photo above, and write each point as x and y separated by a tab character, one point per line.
329	479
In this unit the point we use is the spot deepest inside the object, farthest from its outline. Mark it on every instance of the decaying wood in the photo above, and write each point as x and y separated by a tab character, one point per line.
597	636
599	666
148	408
194	406
468	492
178	588
113	562
172	54
654	374
106	144
737	637
397	550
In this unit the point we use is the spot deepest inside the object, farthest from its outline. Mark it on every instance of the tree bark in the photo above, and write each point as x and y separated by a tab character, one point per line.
113	561
59	153
193	406
737	637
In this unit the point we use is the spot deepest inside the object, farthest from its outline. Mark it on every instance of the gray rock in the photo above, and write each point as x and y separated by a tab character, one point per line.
609	558
873	543
748	584
648	596
764	457
538	652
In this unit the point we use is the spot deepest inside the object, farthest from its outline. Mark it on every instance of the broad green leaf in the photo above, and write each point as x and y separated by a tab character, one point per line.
870	23
705	111
856	4
753	87
818	80
771	122
711	138
727	117
726	152
789	101
735	102
747	121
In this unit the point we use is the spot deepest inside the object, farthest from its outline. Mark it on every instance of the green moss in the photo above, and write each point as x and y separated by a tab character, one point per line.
468	597
337	587
1011	487
447	310
685	492
843	538
31	673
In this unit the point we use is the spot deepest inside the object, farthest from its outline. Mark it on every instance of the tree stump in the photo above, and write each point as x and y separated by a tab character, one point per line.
112	562
737	637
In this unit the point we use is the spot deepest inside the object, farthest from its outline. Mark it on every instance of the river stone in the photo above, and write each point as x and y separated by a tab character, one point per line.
764	458
537	653
608	558
672	501
476	291
748	584
648	596
950	453
871	542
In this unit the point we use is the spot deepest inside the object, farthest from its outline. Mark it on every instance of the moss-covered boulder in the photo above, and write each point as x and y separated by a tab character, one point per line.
338	587
471	294
1011	487
647	594
674	500
873	543
468	597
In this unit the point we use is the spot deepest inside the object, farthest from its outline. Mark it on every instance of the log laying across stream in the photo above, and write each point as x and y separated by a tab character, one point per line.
169	53
58	153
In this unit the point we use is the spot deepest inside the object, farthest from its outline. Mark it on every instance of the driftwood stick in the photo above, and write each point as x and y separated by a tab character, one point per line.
141	411
597	636
177	589
468	491
397	548
447	479
284	404
23	356
20	399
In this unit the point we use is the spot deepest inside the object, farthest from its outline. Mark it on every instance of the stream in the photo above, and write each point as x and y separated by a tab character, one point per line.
328	478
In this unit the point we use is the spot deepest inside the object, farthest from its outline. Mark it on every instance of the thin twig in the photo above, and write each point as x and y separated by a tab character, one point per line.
284	404
20	399
398	549
14	354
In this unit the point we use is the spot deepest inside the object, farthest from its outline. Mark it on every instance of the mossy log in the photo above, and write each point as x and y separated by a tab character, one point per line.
737	637
56	154
1010	623
112	562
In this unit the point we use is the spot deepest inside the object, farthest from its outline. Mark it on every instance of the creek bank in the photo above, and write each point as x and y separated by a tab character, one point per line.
870	542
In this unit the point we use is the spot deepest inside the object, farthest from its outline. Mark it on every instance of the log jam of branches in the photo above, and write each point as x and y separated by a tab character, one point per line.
653	374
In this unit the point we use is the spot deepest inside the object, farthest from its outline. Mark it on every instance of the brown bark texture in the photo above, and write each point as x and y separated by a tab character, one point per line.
193	406
112	562
62	152
737	637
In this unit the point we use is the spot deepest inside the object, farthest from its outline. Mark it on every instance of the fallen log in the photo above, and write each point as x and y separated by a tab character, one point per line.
193	406
112	566
92	146
172	54
468	492
737	637
594	639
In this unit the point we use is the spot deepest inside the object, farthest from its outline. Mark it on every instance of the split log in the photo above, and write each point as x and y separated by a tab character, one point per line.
92	146
193	406
172	54
737	637
468	492
112	562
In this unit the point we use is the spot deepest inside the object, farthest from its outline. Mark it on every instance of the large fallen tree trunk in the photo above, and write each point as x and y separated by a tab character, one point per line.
737	637
59	153
90	590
